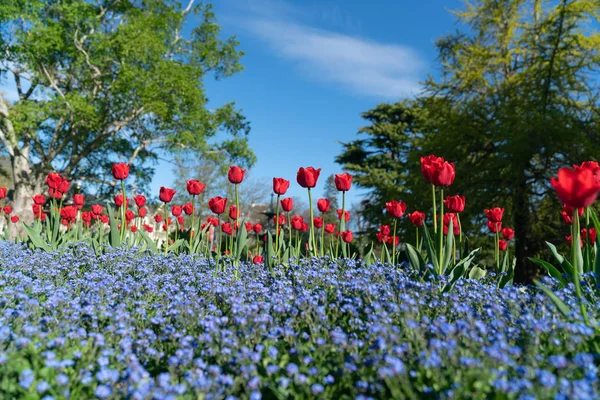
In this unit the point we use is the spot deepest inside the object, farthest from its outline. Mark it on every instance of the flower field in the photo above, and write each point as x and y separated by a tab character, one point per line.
99	303
140	326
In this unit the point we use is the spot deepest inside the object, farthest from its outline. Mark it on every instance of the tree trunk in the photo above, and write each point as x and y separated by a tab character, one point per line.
26	182
525	270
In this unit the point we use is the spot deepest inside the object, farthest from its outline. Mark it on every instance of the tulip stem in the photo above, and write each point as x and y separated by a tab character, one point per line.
342	224
434	210
322	235
575	249
166	230
235	222
312	225
277	227
497	248
193	221
441	231
460	235
417	237
123	207
394	243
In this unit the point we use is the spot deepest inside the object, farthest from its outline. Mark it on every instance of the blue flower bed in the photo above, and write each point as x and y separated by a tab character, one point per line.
126	325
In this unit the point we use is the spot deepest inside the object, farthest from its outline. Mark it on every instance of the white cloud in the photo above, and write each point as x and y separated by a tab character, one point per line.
364	66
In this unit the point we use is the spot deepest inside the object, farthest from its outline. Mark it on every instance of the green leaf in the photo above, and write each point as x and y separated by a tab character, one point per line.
562	307
114	234
477	273
431	254
555	273
449	246
414	258
370	256
459	270
564	263
149	242
241	241
597	244
36	238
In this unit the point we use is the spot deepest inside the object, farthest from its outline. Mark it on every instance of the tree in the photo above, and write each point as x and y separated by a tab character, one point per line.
385	159
516	99
111	80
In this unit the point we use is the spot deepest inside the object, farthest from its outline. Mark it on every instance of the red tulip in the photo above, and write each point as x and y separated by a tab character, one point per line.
258	259
236	174
104	219
14	219
2	192
97	209
455	204
176	211
64	186
502	244
508	233
437	171
213	221
119	201
381	237
53	180
140	200
287	204
494	214
494	227
323	205
226	228
417	218
234	213
592	237
120	171
568	218
129	215
576	187
281	220
347	236
148	228
343	182
385	230
330	228
166	194
157	218
318	222
181	220
297	222
188	208
395	208
304	229
592	166
217	204
195	187
393	240
142	212
280	186
79	200
68	212
346	215
308	177
257	228
39	199
8	210
133	228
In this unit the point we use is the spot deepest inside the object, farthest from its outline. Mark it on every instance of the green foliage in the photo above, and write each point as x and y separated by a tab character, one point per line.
513	102
105	81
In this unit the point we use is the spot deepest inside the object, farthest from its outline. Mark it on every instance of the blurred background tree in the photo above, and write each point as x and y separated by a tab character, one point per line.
517	98
107	81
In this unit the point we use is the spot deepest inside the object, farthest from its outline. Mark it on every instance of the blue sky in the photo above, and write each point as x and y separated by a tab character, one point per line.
311	67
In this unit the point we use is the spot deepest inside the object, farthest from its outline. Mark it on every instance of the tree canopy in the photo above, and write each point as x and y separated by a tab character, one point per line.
107	81
516	98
